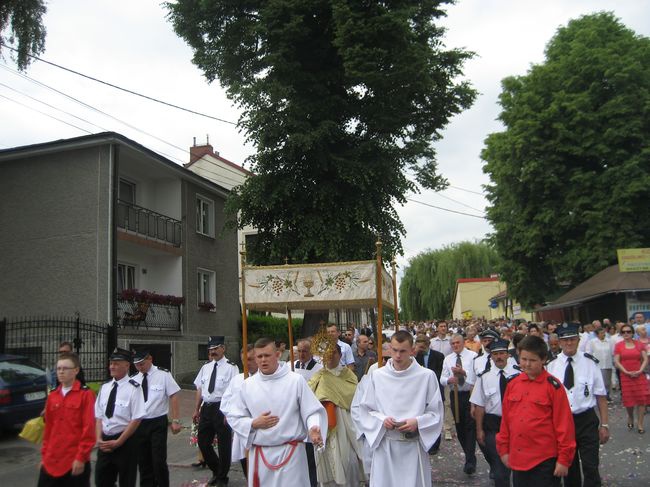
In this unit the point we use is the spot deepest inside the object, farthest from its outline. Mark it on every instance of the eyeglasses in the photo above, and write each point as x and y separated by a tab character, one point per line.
624	332
63	369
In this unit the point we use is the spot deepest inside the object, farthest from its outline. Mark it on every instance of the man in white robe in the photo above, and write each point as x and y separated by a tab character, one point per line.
233	389
400	414
273	413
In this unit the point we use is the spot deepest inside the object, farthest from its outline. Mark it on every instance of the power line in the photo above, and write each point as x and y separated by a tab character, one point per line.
459	202
46	114
123	89
467	190
446	209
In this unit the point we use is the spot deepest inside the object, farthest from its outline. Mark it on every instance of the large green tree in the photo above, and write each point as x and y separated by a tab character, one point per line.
342	100
427	287
571	171
21	28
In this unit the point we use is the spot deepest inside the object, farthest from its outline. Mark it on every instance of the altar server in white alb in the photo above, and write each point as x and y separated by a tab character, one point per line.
401	414
273	413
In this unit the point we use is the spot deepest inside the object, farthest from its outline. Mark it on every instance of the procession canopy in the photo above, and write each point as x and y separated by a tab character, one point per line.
316	286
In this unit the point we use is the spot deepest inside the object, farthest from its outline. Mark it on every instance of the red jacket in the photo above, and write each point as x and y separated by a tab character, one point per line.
537	423
69	429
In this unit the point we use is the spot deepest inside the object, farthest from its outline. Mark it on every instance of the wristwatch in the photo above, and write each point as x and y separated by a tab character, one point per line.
604	425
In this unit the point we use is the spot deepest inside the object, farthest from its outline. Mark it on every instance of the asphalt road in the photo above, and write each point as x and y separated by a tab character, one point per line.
623	459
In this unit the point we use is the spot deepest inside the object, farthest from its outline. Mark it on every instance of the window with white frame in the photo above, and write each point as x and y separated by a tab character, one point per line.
125	277
204	216
206	288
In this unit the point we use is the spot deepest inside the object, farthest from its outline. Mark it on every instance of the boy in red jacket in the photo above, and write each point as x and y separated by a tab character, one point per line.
537	435
69	435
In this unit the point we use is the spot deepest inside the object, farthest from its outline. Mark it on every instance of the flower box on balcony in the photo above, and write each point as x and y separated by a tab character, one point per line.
207	306
152	298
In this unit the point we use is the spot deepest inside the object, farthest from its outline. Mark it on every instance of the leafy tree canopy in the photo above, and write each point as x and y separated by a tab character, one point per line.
342	100
21	28
571	171
427	288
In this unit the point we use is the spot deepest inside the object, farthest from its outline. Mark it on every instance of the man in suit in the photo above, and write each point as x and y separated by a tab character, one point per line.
432	360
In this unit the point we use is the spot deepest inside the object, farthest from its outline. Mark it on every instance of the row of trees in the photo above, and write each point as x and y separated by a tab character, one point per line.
427	287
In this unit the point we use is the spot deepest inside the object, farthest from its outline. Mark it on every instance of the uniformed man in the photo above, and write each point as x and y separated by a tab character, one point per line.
482	360
211	382
487	395
160	393
583	383
118	411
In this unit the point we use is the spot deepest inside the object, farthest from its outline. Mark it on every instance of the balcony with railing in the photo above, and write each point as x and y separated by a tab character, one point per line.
140	310
148	224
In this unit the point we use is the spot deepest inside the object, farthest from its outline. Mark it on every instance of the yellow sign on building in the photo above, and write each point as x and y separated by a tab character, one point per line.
633	260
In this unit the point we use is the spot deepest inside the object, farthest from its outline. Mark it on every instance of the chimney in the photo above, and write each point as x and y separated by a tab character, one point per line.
198	151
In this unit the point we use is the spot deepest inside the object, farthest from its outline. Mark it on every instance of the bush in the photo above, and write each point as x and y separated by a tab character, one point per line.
270	326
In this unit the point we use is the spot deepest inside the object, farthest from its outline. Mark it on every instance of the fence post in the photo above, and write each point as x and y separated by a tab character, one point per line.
3	335
77	338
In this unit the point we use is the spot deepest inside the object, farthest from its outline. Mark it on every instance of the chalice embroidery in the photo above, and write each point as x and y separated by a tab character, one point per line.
308	281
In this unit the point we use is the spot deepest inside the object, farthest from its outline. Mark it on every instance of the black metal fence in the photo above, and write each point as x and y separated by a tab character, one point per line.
39	337
148	316
148	223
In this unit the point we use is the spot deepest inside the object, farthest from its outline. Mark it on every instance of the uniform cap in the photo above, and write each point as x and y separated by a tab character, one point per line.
216	341
567	330
499	345
489	333
121	354
140	355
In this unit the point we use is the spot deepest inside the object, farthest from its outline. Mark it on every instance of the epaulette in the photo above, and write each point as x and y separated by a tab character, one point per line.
554	382
84	387
591	357
552	359
516	367
480	374
163	369
477	356
134	383
231	363
509	378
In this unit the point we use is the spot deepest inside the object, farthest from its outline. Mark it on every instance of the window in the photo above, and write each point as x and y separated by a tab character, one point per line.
202	352
204	216
206	287
125	277
126	191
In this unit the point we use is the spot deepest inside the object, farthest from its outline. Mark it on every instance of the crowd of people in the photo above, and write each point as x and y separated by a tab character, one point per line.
533	397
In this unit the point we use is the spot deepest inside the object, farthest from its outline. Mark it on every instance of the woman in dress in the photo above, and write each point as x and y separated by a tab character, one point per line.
631	358
601	347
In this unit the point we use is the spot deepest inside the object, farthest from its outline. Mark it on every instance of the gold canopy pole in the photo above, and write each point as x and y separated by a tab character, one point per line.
290	338
380	310
244	316
394	266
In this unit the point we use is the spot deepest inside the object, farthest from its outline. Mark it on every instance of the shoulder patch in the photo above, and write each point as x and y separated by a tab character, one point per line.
231	363
163	369
554	382
480	374
509	378
134	383
591	357
517	367
552	359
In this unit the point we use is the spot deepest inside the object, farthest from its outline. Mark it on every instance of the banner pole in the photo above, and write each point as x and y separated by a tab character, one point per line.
290	338
244	316
380	310
395	308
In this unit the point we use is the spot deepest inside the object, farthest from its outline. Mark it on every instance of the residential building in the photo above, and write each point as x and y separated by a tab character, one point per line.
89	220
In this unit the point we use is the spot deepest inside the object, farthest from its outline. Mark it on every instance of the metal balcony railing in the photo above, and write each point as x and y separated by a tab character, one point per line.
148	316
148	223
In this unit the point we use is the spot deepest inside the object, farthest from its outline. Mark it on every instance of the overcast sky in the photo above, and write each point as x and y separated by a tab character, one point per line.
131	44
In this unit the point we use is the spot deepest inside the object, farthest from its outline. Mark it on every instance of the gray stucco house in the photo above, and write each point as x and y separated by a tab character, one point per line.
89	220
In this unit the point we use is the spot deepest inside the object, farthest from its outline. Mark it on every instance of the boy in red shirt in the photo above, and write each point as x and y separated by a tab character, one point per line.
537	435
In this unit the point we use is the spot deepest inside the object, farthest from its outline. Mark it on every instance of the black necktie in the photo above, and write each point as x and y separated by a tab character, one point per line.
213	378
568	374
145	386
503	382
459	363
110	405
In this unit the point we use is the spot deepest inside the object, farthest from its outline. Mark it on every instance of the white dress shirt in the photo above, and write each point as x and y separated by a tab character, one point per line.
301	369
442	345
129	405
587	381
487	389
346	353
226	370
467	358
161	386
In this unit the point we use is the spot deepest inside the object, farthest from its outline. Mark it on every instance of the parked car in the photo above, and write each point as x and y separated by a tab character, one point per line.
23	390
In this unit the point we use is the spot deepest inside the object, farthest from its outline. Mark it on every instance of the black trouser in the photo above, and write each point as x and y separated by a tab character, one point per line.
501	473
152	452
213	422
587	445
465	426
121	462
541	475
67	480
311	464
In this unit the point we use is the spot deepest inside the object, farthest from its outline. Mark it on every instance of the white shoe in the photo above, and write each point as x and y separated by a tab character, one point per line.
448	435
